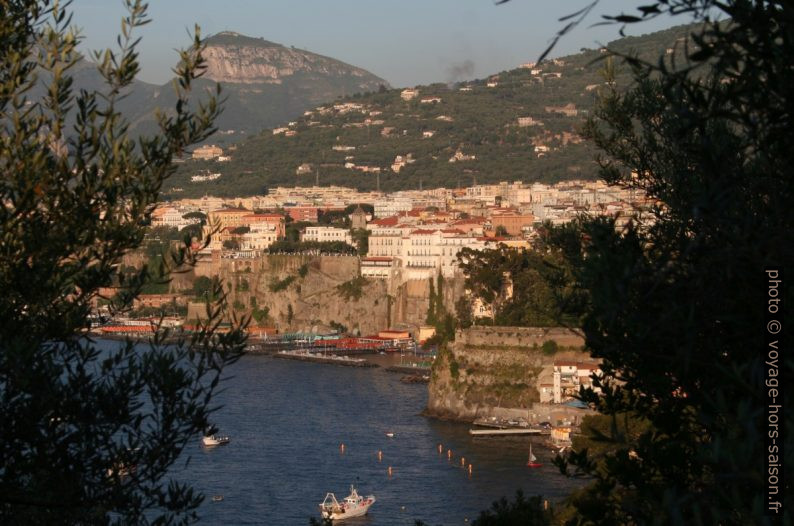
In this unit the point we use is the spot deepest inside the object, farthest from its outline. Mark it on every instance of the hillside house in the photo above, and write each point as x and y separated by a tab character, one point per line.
409	93
569	110
207	152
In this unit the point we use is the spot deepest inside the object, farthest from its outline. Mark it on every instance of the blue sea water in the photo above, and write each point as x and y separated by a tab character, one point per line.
287	420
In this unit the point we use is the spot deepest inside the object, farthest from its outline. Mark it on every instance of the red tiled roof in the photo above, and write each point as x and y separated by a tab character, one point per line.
386	221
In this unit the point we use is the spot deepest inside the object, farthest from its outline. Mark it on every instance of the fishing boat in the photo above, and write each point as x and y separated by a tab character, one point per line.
353	505
214	440
533	460
390	434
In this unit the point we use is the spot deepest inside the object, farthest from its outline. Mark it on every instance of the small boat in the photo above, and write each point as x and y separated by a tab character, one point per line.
353	505
217	498
390	434
214	440
533	460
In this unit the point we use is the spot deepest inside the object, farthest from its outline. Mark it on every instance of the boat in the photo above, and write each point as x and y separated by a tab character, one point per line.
533	460
390	434
217	498
214	440
353	505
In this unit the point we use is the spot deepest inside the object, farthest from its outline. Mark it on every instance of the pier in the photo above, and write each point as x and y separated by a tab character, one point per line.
504	432
304	356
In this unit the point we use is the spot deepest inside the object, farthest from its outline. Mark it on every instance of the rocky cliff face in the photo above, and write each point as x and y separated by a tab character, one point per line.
234	58
318	290
493	371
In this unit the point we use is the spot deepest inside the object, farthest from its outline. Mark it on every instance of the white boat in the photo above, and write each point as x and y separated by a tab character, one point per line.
214	440
353	505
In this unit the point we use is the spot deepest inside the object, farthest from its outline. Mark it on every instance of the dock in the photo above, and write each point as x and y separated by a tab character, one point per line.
503	432
317	358
409	369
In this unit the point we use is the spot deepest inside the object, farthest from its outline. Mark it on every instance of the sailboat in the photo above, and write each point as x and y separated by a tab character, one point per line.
533	460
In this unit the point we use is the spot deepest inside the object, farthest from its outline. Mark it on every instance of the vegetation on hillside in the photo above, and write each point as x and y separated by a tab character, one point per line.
471	118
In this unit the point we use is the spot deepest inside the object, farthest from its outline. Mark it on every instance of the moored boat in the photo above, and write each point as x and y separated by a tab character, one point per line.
214	440
533	460
353	505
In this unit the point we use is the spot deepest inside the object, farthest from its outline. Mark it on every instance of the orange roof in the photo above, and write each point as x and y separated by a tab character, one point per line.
422	232
386	221
265	216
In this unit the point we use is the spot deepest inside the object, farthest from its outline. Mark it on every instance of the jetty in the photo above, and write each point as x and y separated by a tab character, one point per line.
409	369
304	356
510	431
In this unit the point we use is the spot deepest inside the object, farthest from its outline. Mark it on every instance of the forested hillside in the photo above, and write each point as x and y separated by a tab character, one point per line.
520	124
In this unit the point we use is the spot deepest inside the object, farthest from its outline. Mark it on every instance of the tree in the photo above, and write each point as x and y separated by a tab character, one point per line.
89	433
678	297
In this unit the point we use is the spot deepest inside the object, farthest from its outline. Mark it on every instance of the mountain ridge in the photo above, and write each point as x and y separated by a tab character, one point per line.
521	124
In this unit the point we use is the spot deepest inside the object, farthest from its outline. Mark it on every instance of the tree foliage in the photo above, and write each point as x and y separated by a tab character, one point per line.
524	287
677	298
89	433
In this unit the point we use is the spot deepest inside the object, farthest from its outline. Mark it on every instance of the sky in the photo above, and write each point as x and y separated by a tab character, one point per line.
406	42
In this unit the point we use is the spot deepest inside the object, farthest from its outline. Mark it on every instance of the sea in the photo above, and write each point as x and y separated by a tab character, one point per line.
288	420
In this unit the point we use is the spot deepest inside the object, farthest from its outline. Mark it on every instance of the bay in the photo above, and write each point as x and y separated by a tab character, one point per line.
288	419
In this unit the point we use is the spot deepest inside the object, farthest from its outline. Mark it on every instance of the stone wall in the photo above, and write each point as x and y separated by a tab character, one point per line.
494	371
519	336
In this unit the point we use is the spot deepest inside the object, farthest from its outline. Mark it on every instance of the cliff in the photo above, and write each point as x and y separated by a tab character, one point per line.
318	291
494	371
236	59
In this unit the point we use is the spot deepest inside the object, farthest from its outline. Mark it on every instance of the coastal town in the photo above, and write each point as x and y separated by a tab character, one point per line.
399	241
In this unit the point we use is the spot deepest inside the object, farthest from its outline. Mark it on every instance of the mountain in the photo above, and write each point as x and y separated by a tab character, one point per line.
520	124
263	84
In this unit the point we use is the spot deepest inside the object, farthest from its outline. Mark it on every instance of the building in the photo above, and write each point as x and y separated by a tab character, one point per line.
391	206
303	213
409	93
569	376
172	217
227	218
260	236
358	219
513	223
275	222
569	110
207	152
324	234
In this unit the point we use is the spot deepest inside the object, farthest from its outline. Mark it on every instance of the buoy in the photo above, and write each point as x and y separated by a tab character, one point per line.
545	504
389	471
469	469
449	453
380	455
440	449
342	448
463	461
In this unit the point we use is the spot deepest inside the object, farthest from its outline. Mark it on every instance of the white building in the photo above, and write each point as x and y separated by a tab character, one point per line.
409	93
326	233
391	206
260	237
171	217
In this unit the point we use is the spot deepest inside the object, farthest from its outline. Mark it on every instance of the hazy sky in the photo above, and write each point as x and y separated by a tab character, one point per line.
407	42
